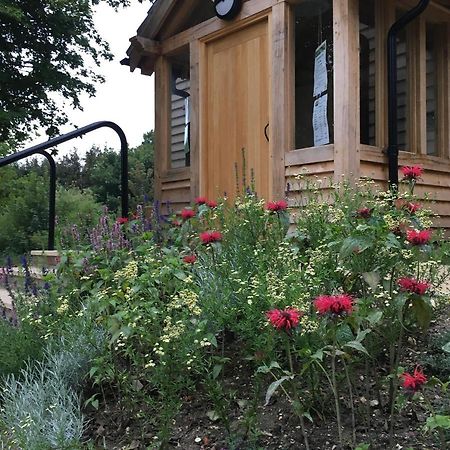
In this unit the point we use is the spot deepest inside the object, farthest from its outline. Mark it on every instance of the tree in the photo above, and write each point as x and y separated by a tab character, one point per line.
42	45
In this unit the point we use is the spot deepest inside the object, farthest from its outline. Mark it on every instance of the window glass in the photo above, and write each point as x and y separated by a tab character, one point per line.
367	70
313	73
180	111
402	87
431	91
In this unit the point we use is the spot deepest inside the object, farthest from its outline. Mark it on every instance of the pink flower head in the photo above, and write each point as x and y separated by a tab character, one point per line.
208	237
285	319
176	223
413	207
190	259
413	286
211	204
200	200
364	213
122	220
411	173
416	237
187	214
334	304
415	381
280	205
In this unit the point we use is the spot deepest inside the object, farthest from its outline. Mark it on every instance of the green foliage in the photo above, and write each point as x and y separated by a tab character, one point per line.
19	345
174	324
44	46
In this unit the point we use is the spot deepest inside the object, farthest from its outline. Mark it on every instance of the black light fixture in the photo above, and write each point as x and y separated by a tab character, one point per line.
227	9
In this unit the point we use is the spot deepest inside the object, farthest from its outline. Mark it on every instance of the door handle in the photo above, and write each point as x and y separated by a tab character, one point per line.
265	132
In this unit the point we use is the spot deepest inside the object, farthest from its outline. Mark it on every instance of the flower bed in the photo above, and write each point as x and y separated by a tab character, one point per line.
227	309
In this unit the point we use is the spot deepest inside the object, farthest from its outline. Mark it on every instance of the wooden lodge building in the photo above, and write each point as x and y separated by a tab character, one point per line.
301	85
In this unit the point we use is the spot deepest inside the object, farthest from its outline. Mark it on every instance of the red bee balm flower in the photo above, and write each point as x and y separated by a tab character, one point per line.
122	220
200	200
190	259
187	214
285	319
412	285
413	207
281	205
211	204
334	304
411	173
416	237
208	237
415	381
364	213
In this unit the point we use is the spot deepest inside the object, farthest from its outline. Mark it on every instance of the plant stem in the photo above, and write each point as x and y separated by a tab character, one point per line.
352	405
296	397
439	429
395	385
335	389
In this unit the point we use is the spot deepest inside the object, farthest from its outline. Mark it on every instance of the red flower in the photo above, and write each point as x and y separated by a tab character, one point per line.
411	173
412	285
200	200
413	207
187	214
176	223
416	237
208	237
211	204
334	304
415	381
190	259
364	213
280	205
122	220
284	319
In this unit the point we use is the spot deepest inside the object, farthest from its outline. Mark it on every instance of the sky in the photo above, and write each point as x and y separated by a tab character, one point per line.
125	98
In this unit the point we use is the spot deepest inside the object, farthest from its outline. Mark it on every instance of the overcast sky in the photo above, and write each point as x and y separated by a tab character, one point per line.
125	98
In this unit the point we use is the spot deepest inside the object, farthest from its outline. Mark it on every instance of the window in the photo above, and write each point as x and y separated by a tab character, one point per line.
180	104
432	91
313	73
367	70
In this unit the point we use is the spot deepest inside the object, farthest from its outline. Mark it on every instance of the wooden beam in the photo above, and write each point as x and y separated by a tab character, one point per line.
156	17
281	134
195	118
251	10
346	90
146	46
162	121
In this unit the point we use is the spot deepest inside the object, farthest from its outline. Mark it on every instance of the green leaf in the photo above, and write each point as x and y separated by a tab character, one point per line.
438	421
362	447
372	279
422	311
353	245
180	275
374	317
216	370
446	347
274	386
362	334
357	346
213	416
318	355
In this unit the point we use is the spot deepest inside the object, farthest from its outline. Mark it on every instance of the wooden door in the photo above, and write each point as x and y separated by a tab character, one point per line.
235	106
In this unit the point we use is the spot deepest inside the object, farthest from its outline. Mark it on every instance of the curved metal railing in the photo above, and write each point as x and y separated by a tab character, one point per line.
40	149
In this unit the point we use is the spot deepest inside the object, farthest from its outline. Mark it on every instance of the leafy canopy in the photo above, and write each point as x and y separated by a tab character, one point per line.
44	46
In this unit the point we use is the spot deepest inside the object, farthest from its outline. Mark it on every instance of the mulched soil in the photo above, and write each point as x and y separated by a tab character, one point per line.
195	428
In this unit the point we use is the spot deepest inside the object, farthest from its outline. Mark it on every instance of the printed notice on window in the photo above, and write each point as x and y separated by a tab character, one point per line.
320	70
320	121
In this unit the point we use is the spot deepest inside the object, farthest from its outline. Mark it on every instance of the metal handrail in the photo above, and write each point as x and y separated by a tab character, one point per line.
40	149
